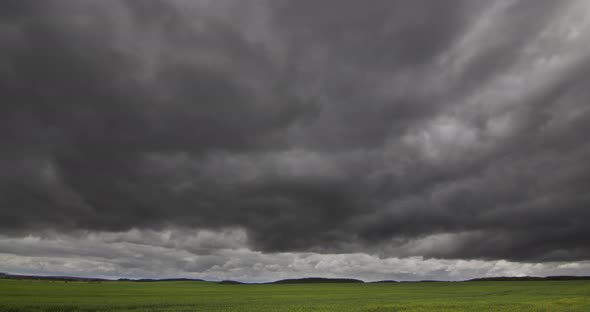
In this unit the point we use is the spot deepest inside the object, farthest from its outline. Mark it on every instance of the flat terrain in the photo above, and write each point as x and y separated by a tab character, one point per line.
31	295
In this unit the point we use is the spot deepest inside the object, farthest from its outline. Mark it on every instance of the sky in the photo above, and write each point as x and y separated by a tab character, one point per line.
256	140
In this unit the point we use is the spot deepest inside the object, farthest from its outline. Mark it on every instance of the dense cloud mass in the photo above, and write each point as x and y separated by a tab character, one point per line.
387	129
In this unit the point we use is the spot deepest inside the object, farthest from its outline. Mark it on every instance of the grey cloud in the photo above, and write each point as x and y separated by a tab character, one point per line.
131	258
308	126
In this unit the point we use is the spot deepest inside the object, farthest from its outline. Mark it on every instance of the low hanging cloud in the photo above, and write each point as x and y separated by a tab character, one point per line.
387	129
216	255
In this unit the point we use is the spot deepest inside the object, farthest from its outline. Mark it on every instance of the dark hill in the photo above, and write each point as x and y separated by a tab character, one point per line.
50	278
231	282
162	280
316	280
289	281
531	278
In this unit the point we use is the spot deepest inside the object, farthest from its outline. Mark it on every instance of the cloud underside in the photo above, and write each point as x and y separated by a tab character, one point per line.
315	131
221	255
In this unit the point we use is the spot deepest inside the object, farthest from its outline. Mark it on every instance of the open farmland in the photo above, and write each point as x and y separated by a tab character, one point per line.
33	295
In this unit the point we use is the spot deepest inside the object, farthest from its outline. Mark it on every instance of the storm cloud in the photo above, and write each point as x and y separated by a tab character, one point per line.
438	130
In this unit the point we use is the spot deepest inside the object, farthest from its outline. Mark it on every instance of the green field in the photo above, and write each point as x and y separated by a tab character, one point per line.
30	295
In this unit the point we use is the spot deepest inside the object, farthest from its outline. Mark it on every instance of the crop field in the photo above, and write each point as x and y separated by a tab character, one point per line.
33	295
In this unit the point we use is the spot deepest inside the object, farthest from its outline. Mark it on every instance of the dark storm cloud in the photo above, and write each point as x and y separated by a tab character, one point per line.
394	127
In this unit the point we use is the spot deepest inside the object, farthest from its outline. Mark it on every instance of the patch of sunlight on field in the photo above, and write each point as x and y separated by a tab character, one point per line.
28	295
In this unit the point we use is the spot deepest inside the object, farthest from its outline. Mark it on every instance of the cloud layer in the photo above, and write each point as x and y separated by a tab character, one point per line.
381	129
217	255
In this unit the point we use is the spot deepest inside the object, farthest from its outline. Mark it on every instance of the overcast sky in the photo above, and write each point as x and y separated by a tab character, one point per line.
262	139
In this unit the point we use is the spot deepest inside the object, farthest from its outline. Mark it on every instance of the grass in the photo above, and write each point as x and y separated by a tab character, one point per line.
31	295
